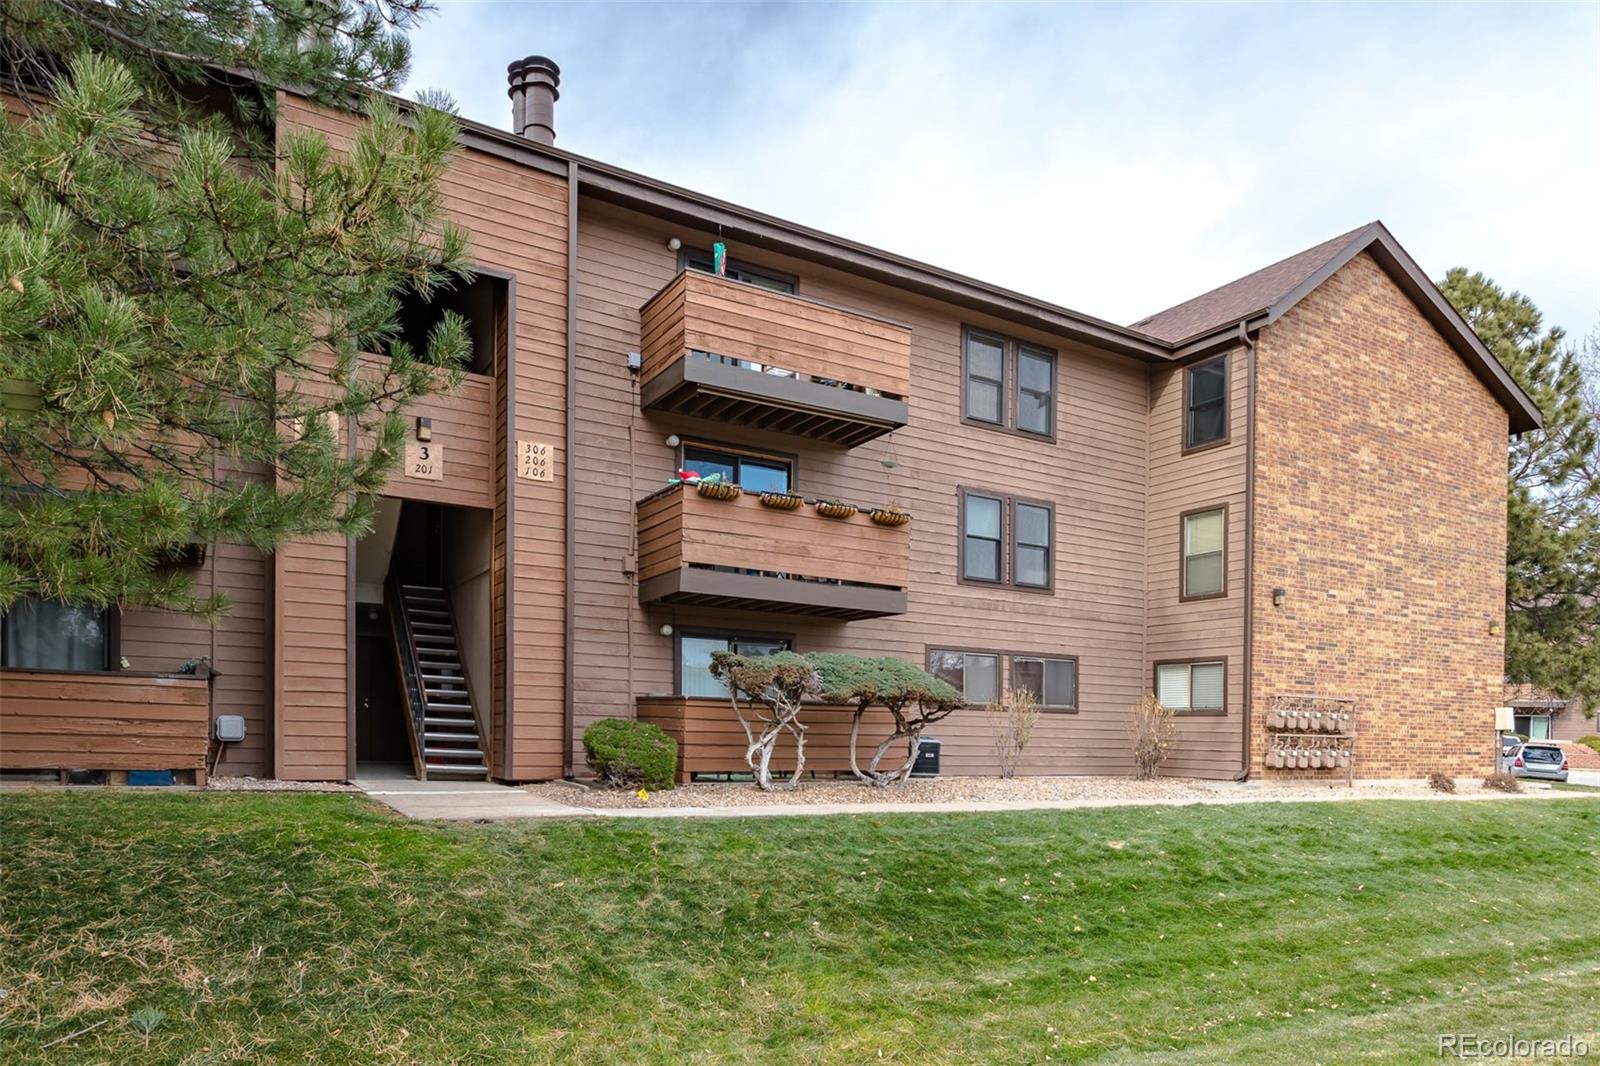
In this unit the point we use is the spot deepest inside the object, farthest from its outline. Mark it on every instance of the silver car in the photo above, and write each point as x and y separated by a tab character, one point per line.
1540	759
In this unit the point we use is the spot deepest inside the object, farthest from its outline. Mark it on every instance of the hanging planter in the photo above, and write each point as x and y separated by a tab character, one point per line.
782	501
835	509
717	490
889	516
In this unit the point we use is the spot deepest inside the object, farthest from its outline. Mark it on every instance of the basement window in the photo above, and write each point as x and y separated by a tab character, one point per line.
482	300
40	634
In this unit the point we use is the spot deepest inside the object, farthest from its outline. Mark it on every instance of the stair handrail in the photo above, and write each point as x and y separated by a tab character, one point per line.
406	641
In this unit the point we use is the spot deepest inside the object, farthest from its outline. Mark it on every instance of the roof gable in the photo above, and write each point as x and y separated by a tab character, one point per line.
1260	299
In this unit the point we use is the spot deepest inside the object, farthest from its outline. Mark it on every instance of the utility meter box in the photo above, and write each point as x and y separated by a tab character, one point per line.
230	728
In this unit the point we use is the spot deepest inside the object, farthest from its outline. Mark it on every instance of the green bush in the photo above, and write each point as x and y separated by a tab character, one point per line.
629	754
1590	741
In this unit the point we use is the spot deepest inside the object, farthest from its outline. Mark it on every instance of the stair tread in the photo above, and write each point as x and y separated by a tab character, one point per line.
459	768
452	753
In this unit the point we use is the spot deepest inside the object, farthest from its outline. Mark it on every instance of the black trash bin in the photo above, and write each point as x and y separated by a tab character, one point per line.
927	764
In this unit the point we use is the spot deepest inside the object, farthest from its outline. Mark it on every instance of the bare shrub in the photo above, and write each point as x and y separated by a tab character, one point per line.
1441	782
1150	727
1013	716
1501	781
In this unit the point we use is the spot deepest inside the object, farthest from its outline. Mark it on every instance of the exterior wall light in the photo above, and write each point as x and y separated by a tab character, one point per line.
424	428
673	244
672	440
1278	596
666	629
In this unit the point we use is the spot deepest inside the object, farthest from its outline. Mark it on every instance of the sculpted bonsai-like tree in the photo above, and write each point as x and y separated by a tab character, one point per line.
774	687
915	698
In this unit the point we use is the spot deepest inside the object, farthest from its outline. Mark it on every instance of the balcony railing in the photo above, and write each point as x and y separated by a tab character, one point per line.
741	553
721	349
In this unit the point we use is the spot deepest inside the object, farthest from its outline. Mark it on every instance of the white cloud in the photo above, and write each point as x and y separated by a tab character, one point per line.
1116	160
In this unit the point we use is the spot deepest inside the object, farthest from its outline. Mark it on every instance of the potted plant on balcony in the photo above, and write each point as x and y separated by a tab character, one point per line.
714	487
835	508
889	515
782	501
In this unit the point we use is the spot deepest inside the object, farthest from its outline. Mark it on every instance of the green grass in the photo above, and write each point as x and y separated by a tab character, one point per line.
320	929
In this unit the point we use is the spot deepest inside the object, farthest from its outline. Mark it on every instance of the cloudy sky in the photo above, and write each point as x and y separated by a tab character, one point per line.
1115	159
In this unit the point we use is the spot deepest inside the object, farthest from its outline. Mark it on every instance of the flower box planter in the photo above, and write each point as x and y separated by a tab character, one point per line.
718	490
889	516
835	509
782	501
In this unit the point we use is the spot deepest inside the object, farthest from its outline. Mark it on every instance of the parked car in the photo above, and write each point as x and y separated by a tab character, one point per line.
1509	743
1540	759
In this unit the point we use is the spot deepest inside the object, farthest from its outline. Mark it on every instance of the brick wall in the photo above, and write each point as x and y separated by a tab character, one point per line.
1380	509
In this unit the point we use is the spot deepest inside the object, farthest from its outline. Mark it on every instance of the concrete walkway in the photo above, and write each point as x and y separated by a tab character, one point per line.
480	800
455	801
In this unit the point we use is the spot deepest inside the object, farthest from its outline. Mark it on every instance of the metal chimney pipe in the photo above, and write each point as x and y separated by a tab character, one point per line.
534	89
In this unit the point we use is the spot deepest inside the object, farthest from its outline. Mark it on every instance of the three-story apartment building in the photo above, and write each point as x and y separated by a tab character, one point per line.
1291	485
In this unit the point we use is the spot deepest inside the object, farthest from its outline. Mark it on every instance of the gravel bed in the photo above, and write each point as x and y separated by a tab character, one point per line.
980	789
267	784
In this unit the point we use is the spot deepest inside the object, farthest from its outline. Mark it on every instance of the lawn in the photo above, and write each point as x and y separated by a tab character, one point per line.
238	928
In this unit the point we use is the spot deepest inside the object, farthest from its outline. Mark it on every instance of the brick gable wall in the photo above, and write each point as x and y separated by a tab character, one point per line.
1380	509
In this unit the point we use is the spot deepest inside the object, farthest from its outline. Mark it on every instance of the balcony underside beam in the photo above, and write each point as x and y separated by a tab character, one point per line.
699	386
691	587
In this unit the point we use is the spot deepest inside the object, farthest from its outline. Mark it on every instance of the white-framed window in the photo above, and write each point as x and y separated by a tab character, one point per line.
1190	687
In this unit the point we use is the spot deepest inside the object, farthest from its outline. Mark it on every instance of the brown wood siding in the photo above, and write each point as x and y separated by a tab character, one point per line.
156	640
516	219
1207	745
711	740
681	528
311	610
1094	475
111	721
464	430
701	313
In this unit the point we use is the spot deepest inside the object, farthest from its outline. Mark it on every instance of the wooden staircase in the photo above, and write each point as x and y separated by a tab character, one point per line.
445	738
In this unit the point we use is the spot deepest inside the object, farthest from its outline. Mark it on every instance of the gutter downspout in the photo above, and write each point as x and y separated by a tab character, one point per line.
1249	553
568	583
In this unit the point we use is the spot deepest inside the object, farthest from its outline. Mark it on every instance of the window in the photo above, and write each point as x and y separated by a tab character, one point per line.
1036	371
1205	402
1008	383
1532	726
1053	682
989	521
986	378
976	675
1031	561
982	518
1205	535
695	259
1192	687
51	635
754	473
694	658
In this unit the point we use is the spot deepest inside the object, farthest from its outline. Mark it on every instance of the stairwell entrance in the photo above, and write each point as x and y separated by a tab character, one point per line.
423	641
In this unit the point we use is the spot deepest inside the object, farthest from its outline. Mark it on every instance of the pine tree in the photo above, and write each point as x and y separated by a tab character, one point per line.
185	290
1553	496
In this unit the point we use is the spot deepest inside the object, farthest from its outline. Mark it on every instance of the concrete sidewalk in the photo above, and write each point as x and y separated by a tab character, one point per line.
478	800
455	801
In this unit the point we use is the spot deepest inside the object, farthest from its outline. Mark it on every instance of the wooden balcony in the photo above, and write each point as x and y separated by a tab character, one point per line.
740	553
720	349
711	741
103	721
